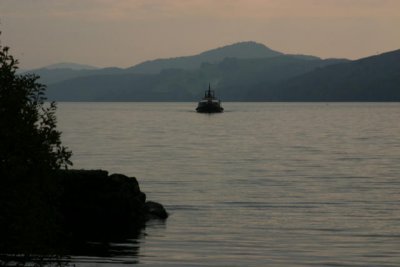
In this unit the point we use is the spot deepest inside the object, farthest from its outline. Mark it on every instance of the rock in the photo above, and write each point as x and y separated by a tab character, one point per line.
98	206
71	211
155	210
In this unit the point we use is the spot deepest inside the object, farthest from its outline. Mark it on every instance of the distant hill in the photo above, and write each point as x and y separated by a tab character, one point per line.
240	72
71	66
51	76
234	78
375	78
60	72
238	50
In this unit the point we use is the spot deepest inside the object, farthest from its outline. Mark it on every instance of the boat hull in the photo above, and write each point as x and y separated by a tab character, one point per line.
209	109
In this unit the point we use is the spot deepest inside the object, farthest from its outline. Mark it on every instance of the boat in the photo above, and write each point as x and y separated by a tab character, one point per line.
209	103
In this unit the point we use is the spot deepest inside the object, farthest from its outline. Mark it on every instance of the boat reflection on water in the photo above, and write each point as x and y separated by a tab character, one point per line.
209	103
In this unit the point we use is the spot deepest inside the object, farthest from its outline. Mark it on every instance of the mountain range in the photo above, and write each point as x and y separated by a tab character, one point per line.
375	78
245	71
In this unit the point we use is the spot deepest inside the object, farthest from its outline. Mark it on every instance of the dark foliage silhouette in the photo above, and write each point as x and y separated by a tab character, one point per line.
46	209
28	135
30	151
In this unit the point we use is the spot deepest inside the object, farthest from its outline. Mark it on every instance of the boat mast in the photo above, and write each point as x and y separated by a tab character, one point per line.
209	93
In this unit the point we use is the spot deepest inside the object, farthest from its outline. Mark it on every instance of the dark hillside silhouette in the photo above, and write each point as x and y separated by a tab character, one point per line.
244	50
246	71
238	50
233	77
374	78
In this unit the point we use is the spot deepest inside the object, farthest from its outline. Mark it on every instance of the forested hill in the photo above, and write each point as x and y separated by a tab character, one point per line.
61	72
232	78
238	50
257	77
375	78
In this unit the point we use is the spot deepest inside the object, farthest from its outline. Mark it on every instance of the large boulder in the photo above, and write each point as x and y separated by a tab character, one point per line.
98	206
74	212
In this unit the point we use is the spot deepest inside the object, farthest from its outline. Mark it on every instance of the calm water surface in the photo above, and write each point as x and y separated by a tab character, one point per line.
262	184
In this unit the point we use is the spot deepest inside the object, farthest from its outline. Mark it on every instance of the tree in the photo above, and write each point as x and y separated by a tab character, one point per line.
30	154
29	139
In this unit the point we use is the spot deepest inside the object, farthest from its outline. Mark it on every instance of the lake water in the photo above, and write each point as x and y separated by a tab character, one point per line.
262	184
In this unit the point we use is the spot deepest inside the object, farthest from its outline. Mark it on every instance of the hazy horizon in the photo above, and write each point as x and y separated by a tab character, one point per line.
123	33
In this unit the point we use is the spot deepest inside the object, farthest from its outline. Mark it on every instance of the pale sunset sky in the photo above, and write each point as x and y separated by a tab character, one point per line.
123	33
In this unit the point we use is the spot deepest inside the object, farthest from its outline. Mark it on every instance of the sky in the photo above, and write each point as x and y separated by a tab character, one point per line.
123	33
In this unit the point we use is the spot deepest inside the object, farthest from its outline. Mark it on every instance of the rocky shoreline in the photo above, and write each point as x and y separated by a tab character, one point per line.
65	212
99	206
